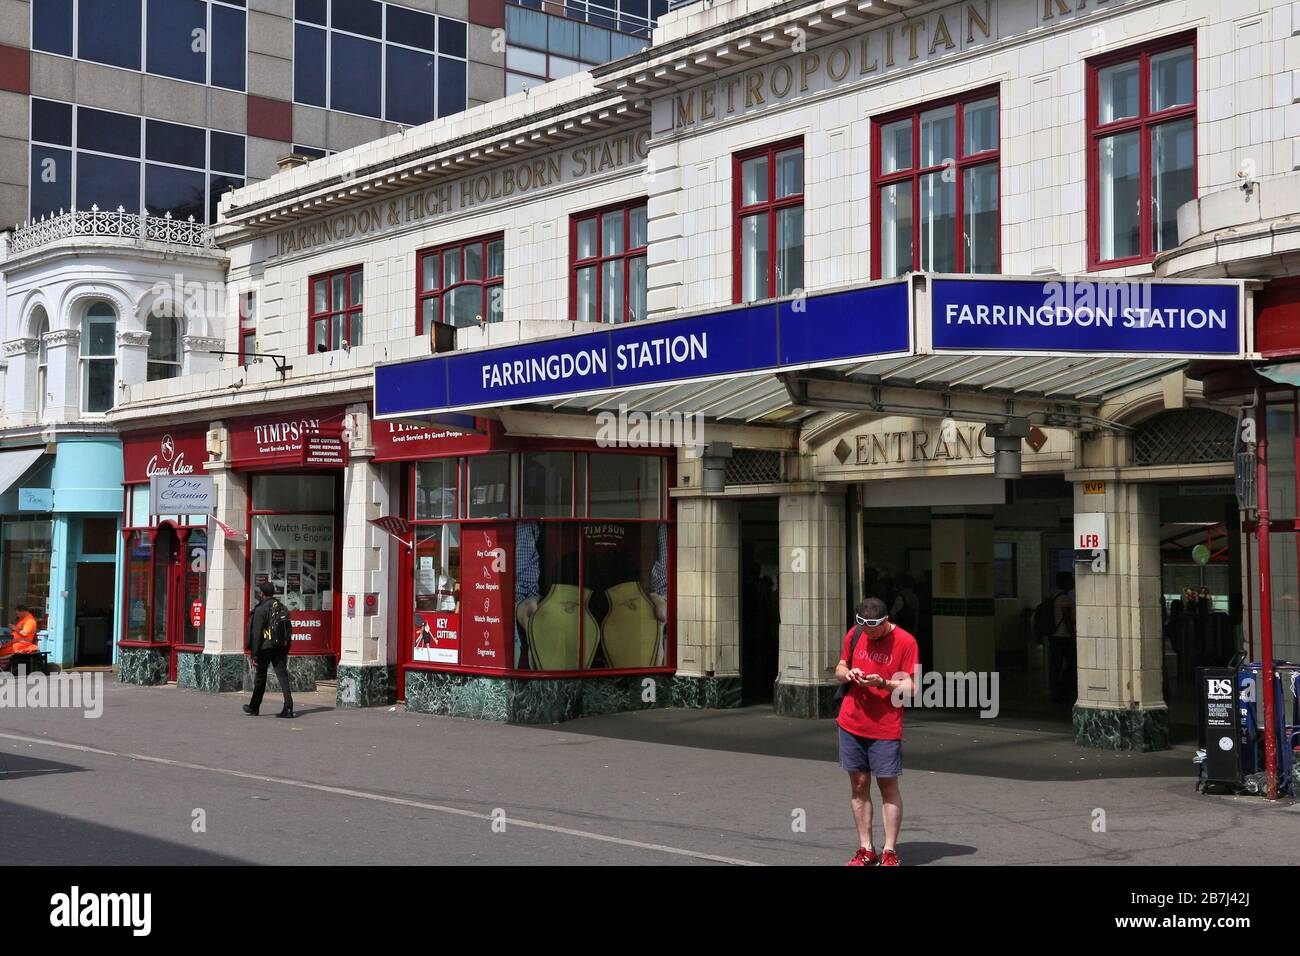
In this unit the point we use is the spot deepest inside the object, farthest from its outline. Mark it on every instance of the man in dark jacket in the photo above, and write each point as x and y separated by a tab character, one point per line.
265	656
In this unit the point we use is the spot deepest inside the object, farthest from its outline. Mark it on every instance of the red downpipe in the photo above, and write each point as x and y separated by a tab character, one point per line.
1265	590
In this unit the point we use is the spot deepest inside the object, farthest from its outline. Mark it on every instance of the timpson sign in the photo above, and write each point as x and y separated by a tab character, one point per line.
892	49
470	192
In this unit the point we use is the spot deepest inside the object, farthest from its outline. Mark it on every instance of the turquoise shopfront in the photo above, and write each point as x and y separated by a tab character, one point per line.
60	546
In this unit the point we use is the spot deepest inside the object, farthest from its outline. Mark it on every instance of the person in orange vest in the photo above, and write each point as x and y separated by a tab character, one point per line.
24	638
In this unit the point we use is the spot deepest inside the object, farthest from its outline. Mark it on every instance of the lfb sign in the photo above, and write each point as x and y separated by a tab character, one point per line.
1090	531
181	495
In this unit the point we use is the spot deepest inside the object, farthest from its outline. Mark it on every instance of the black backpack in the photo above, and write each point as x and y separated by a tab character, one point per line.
1045	622
843	689
276	635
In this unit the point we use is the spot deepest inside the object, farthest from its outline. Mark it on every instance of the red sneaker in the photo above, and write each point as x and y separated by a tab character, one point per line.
889	858
863	857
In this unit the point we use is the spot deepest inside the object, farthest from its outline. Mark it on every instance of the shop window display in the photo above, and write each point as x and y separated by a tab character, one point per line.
620	571
557	561
139	587
437	594
295	554
26	568
293	549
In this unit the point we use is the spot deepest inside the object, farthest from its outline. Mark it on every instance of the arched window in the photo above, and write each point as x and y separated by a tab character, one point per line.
98	357
164	347
42	360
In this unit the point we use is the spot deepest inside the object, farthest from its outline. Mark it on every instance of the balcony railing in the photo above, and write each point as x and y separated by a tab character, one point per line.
98	223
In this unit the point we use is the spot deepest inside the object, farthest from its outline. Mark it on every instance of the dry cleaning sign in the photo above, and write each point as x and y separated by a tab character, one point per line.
182	495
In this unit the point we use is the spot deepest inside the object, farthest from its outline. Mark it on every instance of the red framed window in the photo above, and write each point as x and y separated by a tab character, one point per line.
247	327
461	283
335	315
608	250
935	187
1141	105
767	196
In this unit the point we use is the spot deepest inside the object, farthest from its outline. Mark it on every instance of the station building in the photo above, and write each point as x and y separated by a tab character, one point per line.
941	284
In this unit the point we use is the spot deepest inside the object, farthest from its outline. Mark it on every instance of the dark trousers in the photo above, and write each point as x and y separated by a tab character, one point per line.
1063	672
280	661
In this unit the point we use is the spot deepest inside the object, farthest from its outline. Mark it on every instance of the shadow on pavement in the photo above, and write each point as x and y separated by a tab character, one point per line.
17	766
35	837
921	852
1005	748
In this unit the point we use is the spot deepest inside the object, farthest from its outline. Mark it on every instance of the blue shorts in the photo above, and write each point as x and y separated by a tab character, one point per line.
881	758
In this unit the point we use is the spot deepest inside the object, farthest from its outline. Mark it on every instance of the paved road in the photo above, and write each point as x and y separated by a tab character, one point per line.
654	788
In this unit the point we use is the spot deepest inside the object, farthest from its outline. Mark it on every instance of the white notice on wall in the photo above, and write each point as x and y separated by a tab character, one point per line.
1090	531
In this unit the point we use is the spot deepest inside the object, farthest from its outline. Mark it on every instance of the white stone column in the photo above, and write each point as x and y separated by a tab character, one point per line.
1118	625
195	358
20	381
708	598
813	602
132	357
62	350
227	565
366	674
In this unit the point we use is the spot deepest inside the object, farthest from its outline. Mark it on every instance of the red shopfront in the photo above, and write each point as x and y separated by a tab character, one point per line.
293	462
532	558
166	556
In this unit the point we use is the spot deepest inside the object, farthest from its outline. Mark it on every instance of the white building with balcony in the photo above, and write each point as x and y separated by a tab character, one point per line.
93	302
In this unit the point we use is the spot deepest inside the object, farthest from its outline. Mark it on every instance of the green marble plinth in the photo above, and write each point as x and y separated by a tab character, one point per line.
1141	730
374	685
531	700
708	693
811	701
304	671
187	672
142	666
220	673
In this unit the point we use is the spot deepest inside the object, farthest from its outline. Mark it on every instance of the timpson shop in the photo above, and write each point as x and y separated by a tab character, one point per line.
211	511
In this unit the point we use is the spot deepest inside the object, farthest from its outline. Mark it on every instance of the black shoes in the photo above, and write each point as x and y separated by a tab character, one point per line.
287	712
248	709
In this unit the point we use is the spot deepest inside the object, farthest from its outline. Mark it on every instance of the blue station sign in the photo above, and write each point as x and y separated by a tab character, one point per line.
1086	315
971	315
872	321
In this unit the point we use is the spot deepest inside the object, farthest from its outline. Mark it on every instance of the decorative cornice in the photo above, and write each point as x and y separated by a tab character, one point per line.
201	343
61	337
133	338
21	347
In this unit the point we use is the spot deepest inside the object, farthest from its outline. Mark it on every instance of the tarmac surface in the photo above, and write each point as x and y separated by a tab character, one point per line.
169	776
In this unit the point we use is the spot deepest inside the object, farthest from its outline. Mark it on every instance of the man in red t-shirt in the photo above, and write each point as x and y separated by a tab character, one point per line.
871	722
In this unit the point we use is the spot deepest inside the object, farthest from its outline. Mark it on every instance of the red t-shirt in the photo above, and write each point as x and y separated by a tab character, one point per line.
869	711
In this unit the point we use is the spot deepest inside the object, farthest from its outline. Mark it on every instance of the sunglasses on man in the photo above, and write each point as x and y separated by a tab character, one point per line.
870	622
